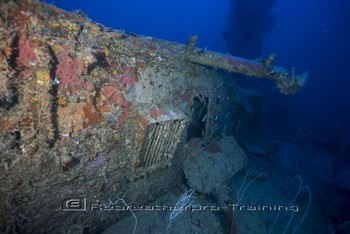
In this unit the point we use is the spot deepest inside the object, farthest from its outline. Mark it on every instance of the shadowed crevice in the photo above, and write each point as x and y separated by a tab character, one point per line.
53	91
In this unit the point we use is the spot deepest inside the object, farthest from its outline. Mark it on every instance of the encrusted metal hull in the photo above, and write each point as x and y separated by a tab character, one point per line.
86	111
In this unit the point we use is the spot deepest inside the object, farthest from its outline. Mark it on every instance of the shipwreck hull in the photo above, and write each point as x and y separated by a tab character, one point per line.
86	111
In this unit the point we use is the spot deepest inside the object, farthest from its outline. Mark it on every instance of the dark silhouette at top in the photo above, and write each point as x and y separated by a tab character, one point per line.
248	22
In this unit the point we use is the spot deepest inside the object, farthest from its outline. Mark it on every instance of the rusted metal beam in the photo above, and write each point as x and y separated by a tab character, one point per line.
166	52
286	82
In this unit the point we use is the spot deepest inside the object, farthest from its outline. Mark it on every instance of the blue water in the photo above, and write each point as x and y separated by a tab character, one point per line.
312	35
309	35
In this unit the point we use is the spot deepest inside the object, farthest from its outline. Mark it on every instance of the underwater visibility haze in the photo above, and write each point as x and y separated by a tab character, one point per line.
227	116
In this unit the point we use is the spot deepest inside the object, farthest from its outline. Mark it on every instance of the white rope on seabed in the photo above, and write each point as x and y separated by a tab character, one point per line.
301	187
128	208
181	205
244	186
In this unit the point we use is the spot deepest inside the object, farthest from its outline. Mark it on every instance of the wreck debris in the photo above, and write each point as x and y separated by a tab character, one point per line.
228	160
268	62
191	44
70	88
164	53
160	142
286	83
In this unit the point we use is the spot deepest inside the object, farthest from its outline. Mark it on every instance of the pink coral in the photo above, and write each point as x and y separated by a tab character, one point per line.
125	116
186	97
89	86
128	77
112	94
26	54
108	91
68	70
127	81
